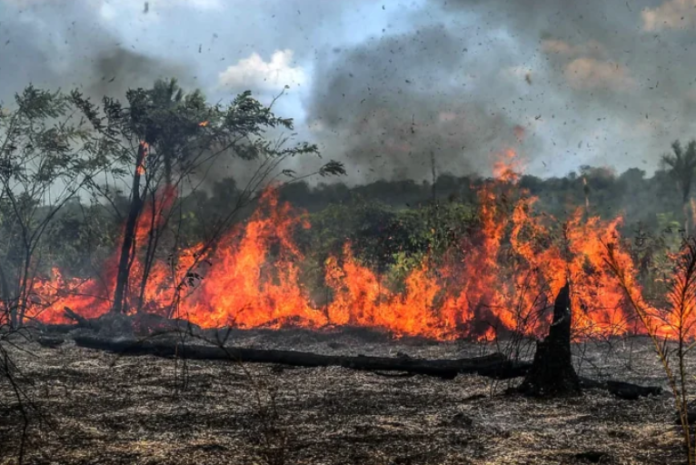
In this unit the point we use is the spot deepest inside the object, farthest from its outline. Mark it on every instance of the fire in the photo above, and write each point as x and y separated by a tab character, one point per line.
203	124
508	167
144	149
502	278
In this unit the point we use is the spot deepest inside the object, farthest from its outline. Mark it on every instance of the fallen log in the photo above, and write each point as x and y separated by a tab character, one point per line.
494	365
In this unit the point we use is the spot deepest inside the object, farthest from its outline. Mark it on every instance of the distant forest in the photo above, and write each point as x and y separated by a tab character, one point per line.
649	201
385	217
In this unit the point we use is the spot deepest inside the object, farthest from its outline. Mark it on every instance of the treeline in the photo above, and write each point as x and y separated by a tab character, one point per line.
81	181
650	202
387	218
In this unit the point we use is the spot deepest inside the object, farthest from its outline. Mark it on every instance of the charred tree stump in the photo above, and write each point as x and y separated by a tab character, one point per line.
552	373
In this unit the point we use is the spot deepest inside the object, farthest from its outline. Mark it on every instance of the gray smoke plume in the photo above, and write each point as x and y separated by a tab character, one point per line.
396	103
116	70
61	45
455	81
607	83
618	72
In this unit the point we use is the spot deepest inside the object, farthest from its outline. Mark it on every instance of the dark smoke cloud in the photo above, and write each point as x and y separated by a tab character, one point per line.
566	83
63	44
393	103
115	70
590	82
612	71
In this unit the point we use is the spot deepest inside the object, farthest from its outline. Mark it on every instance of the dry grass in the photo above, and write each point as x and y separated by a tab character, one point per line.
134	410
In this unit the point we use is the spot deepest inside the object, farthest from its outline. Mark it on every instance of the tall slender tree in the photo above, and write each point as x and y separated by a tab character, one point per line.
47	158
681	164
166	135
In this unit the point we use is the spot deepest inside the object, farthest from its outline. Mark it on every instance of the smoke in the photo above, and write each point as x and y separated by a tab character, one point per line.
390	87
395	104
617	75
64	44
606	83
115	70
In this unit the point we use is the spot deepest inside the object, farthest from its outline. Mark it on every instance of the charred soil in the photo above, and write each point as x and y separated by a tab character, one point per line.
99	408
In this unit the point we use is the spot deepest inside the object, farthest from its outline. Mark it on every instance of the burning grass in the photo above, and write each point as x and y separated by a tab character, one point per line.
489	279
499	278
102	409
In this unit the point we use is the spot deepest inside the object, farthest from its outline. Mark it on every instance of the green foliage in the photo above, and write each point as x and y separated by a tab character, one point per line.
55	147
47	157
38	141
80	239
390	241
332	168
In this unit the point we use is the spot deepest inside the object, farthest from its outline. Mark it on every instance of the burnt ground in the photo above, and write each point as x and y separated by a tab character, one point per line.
96	408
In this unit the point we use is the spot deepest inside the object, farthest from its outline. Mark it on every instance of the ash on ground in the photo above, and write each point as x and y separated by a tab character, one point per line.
95	407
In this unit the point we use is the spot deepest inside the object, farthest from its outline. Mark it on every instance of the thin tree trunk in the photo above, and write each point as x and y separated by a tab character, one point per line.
6	297
129	233
152	242
24	289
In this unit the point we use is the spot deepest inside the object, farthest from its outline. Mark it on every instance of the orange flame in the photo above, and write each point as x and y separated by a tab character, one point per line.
145	148
501	278
508	167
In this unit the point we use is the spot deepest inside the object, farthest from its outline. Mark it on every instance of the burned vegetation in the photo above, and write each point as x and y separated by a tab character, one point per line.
151	316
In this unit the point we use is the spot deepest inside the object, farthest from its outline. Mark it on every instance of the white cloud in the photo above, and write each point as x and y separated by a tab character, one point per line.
673	14
256	73
107	12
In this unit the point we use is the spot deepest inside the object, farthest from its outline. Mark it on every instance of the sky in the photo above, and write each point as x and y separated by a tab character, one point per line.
389	87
